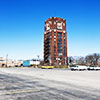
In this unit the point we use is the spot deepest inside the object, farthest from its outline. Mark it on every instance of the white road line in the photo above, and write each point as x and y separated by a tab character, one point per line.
24	91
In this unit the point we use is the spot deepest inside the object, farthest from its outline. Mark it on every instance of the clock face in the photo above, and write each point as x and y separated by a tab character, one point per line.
48	26
59	25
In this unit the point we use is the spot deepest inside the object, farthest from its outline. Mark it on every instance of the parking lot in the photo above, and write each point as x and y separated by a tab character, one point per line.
48	84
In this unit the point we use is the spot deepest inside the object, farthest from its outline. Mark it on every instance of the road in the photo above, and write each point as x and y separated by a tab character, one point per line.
48	84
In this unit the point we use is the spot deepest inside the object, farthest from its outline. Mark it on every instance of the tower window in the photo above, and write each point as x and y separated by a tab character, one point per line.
59	37
60	50
59	47
59	44
59	54
59	33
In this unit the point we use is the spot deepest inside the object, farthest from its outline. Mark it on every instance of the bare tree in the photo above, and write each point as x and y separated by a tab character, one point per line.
41	62
81	61
70	60
92	59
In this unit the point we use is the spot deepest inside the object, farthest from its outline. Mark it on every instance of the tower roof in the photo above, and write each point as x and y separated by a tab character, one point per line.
55	18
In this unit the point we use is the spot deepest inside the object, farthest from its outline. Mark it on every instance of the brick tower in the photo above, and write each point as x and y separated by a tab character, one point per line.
55	42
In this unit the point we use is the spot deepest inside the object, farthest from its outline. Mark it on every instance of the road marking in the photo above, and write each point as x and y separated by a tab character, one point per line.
11	83
24	91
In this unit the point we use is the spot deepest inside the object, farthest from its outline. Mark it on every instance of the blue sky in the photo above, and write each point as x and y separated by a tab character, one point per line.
22	26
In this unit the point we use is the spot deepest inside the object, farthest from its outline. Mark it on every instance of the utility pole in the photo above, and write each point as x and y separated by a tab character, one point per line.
37	60
6	60
38	56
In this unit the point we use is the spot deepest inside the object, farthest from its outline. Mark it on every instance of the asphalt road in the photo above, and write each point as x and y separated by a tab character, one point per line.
45	84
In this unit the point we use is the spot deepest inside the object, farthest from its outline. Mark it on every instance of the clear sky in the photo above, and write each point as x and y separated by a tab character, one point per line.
22	26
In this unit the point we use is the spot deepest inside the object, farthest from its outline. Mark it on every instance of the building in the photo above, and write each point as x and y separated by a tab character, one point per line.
27	63
1	58
55	42
9	63
1	61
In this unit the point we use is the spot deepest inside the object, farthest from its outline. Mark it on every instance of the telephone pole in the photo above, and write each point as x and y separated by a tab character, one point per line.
6	60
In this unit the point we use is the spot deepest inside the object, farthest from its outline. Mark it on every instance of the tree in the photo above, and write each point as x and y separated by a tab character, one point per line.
81	61
42	62
70	60
92	59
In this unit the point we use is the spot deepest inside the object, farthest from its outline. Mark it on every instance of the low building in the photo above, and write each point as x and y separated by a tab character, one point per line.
28	63
10	63
1	61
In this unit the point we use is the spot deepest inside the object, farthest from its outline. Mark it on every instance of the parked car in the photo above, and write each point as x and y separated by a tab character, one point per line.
79	68
96	68
90	67
73	67
82	68
47	67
